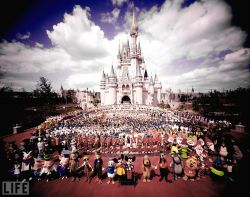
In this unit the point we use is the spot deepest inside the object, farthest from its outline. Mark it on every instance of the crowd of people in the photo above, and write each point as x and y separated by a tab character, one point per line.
62	145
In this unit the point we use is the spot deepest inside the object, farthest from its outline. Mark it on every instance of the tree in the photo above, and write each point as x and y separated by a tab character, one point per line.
163	105
96	101
6	89
70	96
44	89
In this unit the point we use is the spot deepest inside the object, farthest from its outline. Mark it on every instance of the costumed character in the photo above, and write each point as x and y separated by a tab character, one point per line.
199	134
177	165
210	146
229	174
223	151
179	140
129	169
190	168
237	155
170	137
184	150
74	165
111	171
147	169
191	140
120	168
62	169
37	167
26	166
48	166
198	150
98	163
17	167
174	148
202	171
40	146
163	168
217	169
86	167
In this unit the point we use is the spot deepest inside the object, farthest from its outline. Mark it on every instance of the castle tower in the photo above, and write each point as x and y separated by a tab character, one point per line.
138	85
119	57
112	86
158	87
102	88
151	85
133	52
151	91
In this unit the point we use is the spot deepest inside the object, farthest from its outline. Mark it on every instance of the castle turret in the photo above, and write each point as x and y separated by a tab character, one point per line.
158	87
151	91
102	88
134	27
133	49
138	85
112	72
151	85
119	56
112	86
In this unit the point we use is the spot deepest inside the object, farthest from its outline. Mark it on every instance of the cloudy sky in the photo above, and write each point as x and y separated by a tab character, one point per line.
199	44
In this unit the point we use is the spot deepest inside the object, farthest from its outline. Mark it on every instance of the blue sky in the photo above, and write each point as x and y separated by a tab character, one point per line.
188	43
42	15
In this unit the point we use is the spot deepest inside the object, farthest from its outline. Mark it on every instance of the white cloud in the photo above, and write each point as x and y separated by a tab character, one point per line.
118	2
79	36
110	17
83	80
241	55
24	36
37	44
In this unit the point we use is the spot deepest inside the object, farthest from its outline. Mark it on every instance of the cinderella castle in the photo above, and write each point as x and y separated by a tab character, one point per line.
130	84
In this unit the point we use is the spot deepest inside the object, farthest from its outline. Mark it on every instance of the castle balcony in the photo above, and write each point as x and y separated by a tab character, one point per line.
112	85
126	62
126	91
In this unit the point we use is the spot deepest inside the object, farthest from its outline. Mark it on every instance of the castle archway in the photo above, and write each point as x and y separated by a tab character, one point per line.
126	100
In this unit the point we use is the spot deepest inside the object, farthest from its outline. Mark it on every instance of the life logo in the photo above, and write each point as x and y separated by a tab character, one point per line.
15	188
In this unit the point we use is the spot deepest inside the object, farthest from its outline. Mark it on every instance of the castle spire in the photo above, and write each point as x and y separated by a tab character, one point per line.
127	43
134	27
119	54
112	72
151	82
103	76
156	78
